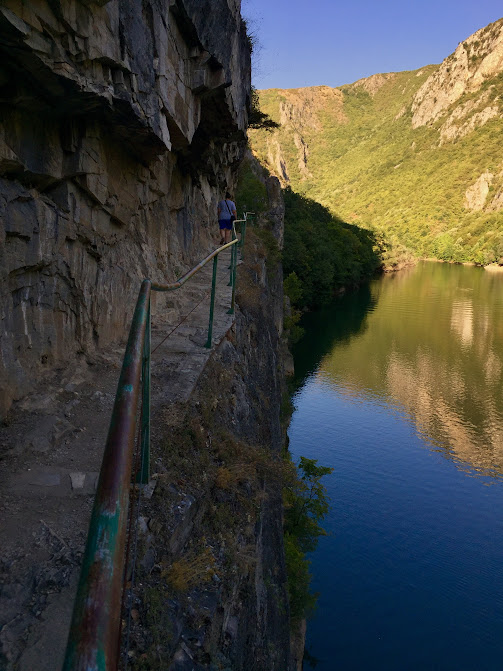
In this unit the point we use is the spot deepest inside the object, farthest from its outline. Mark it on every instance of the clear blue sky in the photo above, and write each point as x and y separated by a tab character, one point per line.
335	42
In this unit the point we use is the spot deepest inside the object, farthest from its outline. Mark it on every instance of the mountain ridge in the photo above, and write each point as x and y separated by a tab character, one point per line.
415	154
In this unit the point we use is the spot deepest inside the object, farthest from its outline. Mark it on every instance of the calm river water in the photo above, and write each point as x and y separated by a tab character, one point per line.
399	388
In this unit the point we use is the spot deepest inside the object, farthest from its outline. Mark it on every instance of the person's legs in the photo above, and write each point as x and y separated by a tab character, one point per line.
222	224
227	235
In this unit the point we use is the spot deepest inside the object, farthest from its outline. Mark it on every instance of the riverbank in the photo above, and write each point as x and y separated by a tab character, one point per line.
491	267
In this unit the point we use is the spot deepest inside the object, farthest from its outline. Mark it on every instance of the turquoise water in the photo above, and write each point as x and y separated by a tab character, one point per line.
399	389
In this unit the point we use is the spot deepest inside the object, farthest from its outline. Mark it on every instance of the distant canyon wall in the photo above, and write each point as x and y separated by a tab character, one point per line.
475	61
415	155
121	124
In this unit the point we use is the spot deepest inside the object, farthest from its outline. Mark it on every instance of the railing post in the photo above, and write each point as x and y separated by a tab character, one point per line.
144	475
233	279
243	235
212	302
233	248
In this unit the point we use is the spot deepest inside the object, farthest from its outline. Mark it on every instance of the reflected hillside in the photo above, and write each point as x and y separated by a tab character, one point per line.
433	346
343	319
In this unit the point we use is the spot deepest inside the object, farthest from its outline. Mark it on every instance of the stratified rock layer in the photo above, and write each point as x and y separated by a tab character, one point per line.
120	126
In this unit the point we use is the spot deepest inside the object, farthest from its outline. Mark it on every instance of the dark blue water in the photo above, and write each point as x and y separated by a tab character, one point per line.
400	390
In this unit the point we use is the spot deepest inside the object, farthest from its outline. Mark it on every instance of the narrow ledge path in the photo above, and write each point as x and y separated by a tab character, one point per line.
50	455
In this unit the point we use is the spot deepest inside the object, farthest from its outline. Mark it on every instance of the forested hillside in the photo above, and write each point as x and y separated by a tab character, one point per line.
321	253
416	155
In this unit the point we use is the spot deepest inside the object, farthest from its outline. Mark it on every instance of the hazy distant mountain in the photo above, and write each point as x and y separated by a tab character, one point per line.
416	154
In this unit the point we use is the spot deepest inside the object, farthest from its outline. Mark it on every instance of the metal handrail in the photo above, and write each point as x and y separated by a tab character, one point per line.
195	269
95	626
93	641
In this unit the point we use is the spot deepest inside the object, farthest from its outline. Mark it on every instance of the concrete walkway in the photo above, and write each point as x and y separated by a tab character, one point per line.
50	456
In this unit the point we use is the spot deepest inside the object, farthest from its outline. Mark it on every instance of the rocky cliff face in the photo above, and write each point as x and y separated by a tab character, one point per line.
299	111
476	60
121	124
373	83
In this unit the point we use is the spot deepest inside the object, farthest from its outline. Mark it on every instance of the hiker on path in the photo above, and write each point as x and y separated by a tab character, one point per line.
226	215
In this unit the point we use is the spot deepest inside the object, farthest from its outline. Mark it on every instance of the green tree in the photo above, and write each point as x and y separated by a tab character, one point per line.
292	287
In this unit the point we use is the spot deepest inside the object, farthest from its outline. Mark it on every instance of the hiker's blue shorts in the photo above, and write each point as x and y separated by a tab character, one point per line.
225	224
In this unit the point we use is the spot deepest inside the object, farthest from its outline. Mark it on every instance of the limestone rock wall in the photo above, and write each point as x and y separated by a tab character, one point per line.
475	60
477	196
121	124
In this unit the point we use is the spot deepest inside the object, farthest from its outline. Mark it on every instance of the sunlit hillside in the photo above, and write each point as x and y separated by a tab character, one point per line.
416	154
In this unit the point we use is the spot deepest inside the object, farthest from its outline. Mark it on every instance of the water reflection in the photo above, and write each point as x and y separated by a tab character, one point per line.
462	321
337	323
430	343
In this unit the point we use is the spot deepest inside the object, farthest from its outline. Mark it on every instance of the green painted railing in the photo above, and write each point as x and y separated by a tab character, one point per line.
94	638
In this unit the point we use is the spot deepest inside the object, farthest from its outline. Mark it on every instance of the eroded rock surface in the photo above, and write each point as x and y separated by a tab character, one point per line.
476	195
121	123
460	123
276	159
496	203
373	83
299	114
476	59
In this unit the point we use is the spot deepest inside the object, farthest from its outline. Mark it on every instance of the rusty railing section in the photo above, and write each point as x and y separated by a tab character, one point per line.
94	638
